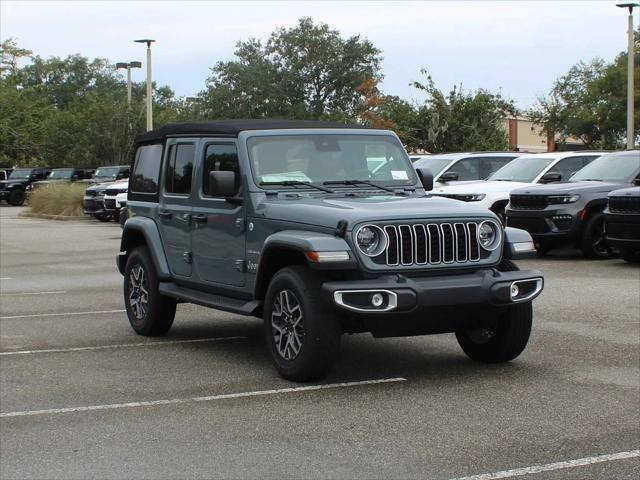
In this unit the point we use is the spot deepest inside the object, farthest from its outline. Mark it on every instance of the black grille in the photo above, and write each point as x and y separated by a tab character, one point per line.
420	244
531	225
110	204
528	202
624	231
624	205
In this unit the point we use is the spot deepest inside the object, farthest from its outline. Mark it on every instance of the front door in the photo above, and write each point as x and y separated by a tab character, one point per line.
174	210
218	237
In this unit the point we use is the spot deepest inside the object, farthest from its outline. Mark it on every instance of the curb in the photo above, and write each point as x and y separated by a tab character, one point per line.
53	217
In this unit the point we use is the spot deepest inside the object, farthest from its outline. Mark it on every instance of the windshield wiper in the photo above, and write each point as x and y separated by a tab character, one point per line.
589	180
294	183
502	180
362	182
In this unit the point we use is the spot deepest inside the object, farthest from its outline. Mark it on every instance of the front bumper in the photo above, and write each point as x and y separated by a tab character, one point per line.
93	205
484	287
4	194
424	305
622	230
553	224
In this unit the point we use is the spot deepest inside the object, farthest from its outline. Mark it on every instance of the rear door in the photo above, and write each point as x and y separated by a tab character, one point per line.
174	209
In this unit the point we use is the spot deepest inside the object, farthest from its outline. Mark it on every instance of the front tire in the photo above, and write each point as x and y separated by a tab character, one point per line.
16	198
149	312
301	333
503	338
593	243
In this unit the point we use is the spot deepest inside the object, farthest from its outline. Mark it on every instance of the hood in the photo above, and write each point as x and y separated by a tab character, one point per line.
327	211
570	187
626	192
482	187
100	186
118	184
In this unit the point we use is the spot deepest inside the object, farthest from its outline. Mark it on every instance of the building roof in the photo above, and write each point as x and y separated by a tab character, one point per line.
231	128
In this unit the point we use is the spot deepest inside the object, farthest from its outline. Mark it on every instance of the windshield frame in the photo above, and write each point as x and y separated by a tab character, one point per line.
245	137
436	175
552	161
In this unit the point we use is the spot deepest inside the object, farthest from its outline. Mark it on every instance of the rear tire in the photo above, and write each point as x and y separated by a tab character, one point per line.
502	338
593	243
149	312
301	333
16	198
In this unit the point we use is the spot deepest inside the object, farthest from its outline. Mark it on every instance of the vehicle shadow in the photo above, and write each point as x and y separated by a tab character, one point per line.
437	359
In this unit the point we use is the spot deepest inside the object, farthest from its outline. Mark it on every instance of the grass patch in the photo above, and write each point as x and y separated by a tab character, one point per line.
64	200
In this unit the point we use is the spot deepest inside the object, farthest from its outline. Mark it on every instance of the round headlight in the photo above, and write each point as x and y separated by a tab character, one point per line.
371	240
489	235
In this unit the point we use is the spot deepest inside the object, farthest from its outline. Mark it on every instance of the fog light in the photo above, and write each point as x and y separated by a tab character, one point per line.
514	290
377	300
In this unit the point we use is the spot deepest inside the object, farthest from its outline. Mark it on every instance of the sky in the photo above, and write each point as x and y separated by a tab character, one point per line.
512	47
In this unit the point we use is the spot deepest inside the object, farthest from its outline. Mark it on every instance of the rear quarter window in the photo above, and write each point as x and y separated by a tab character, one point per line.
146	171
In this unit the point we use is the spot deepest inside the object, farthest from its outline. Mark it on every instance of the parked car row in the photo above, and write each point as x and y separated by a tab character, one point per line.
559	198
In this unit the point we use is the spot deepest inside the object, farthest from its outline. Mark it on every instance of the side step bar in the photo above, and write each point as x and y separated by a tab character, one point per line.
210	300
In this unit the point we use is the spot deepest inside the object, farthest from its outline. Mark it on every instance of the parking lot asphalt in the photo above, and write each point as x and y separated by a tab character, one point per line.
81	396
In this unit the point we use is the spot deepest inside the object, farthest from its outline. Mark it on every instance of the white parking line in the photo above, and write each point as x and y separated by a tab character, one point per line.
99	312
580	462
210	398
121	345
53	292
5	278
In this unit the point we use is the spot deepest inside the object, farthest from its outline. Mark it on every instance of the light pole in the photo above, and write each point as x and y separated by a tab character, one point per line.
128	67
148	41
630	100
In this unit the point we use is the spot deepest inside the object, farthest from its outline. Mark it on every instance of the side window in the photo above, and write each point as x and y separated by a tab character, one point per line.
568	167
146	171
219	157
467	169
488	165
180	168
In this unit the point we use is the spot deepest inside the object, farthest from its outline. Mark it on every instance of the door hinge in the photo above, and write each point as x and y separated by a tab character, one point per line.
241	266
186	256
240	224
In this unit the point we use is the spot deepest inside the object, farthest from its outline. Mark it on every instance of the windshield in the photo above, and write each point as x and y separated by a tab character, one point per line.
523	169
436	165
21	173
107	172
316	158
610	168
60	173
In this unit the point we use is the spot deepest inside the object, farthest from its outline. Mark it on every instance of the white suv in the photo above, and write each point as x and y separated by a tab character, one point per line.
521	172
110	198
464	167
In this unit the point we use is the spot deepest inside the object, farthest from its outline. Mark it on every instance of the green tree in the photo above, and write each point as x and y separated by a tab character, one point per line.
307	72
459	121
590	102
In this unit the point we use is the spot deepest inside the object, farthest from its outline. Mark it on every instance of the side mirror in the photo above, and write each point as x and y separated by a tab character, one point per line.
426	177
74	178
449	177
222	183
551	177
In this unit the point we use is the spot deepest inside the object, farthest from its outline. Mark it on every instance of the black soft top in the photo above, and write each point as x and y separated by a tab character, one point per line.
231	128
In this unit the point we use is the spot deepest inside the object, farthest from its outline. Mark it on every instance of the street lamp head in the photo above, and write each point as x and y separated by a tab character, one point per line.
122	65
135	64
148	41
628	5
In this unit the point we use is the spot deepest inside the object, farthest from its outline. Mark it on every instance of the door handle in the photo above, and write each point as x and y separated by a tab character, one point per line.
165	215
200	218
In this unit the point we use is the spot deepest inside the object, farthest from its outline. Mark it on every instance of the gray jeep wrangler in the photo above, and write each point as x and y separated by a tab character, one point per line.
320	229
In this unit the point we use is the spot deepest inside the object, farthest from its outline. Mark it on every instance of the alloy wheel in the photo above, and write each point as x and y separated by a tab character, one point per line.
287	325
138	292
599	242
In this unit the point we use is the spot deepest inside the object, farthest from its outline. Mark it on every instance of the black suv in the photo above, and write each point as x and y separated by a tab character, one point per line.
572	213
13	189
622	223
321	229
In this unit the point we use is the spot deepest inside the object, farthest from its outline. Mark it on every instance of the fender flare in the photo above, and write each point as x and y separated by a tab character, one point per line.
143	227
301	242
